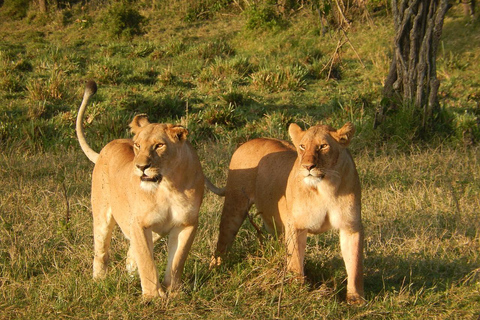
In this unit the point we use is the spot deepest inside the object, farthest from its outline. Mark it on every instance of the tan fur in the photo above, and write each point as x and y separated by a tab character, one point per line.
150	186
310	187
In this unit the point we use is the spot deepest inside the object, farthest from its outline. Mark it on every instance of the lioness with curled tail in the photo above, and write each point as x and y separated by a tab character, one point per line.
151	185
310	187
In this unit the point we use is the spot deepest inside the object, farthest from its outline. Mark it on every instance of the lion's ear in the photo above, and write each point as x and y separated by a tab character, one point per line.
296	133
345	134
177	133
139	121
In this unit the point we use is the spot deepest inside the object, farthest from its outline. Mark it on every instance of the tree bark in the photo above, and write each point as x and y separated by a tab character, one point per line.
413	75
42	4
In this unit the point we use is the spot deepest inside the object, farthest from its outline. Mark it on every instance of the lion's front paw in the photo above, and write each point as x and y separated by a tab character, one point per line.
355	299
159	293
215	262
131	267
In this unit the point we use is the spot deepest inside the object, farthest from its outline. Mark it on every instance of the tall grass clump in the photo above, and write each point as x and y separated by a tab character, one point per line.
15	9
280	79
203	9
124	20
263	15
467	127
217	48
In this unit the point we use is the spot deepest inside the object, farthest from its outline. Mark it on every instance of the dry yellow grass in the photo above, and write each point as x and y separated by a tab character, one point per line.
422	247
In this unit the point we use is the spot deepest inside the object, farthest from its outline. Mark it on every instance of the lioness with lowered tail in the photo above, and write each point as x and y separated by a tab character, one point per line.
310	187
150	185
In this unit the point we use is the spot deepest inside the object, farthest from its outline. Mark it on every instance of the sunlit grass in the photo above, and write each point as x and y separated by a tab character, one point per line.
227	85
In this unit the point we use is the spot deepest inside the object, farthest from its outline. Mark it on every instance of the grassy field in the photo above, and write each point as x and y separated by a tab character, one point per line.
228	84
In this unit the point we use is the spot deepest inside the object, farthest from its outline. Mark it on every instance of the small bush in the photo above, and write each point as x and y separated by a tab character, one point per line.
15	9
264	16
467	127
123	20
204	9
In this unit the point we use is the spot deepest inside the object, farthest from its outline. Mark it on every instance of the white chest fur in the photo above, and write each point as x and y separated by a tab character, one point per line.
169	208
320	208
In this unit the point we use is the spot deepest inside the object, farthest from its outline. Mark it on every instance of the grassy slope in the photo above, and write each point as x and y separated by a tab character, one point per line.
420	206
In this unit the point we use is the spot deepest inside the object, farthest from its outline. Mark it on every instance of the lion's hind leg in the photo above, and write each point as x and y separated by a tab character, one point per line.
235	210
103	224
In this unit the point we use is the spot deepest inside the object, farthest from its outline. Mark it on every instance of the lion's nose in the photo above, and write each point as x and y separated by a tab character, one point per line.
143	167
309	166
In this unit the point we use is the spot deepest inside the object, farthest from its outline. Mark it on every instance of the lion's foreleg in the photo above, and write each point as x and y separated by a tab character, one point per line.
142	246
351	244
179	243
296	241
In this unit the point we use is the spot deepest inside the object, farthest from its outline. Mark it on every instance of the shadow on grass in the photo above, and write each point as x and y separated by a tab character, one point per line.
392	274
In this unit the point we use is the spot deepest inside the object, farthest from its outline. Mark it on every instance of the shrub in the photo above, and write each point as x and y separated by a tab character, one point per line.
264	16
467	127
123	20
204	9
15	9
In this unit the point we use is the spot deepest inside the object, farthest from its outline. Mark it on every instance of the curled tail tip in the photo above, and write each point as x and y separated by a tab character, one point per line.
90	87
218	191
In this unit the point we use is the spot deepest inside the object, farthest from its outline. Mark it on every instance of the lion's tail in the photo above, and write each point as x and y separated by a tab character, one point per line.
90	90
218	191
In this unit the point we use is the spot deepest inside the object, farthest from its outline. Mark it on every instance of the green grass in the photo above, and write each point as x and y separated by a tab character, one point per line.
228	84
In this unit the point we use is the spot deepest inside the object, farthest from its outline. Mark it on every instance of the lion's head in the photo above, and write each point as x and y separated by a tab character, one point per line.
157	149
319	149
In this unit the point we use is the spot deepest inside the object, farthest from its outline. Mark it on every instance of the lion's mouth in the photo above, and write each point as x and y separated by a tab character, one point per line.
146	178
314	174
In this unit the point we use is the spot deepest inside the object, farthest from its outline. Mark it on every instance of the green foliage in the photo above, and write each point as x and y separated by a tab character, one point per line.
15	9
264	16
467	127
124	20
324	6
281	79
204	9
227	85
218	48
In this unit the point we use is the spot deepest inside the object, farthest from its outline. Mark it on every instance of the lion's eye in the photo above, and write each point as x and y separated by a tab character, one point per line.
302	147
136	146
159	145
323	147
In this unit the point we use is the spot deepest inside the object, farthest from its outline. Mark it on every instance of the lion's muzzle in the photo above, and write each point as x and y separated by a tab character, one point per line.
147	174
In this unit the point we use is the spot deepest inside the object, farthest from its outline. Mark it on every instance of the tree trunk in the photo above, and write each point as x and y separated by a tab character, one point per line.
413	73
469	8
42	4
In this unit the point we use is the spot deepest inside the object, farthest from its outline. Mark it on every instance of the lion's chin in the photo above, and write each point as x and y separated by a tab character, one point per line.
312	181
149	186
